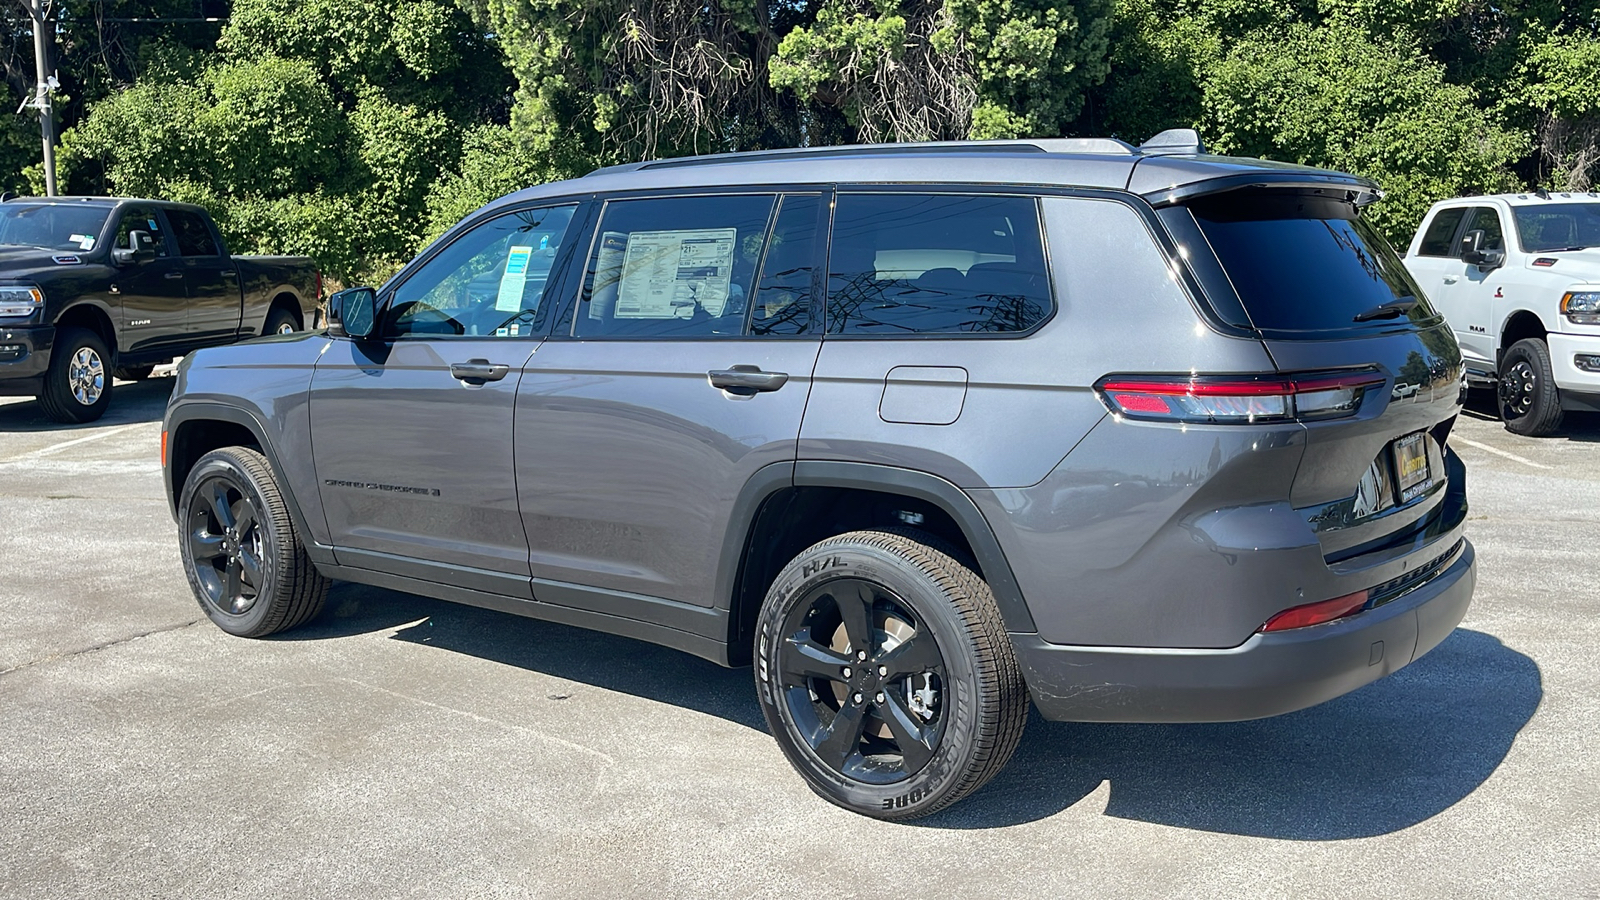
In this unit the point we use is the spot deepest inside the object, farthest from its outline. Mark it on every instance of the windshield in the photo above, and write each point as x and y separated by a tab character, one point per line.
1307	263
1558	226
52	226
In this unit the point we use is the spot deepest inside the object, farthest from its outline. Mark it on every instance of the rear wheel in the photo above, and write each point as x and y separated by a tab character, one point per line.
886	675
244	558
77	386
1528	400
280	321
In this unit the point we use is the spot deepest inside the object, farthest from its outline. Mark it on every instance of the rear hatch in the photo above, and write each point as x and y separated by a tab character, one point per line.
1325	292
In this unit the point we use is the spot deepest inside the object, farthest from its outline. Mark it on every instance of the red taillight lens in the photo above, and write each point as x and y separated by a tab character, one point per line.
319	285
163	448
1237	399
1317	613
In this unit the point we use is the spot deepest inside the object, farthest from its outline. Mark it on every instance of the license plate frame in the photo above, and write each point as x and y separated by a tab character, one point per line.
1413	466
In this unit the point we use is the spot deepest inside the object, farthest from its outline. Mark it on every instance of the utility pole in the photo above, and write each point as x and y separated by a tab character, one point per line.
41	94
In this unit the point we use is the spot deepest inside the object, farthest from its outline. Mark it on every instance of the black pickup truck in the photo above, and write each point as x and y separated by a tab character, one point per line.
92	287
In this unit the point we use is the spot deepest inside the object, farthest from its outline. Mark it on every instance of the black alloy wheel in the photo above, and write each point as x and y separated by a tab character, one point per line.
1528	400
862	677
244	557
227	544
886	675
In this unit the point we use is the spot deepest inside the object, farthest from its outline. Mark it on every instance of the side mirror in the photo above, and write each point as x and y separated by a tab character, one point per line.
353	313
1491	259
141	247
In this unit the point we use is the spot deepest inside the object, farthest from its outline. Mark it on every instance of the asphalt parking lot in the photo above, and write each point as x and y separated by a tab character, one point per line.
406	747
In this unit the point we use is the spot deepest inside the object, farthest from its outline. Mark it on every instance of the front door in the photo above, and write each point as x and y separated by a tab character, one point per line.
413	430
1469	290
155	303
684	369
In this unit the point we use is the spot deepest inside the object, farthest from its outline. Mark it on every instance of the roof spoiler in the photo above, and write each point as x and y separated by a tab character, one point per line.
1172	142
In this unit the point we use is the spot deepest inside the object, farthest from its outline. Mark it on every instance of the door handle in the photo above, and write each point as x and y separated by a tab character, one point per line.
173	276
746	381
478	371
1450	279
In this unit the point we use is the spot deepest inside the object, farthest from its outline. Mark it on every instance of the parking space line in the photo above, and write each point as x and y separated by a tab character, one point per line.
1498	452
57	448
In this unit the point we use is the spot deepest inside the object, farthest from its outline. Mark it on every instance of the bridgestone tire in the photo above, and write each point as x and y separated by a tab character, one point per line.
983	701
58	400
1543	416
135	373
291	590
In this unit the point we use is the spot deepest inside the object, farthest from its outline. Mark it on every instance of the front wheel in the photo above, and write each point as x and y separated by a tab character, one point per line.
244	558
1528	400
886	675
77	386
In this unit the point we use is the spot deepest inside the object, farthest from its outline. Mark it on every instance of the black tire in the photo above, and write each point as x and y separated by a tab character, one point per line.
925	723
246	563
1526	395
280	321
134	373
77	386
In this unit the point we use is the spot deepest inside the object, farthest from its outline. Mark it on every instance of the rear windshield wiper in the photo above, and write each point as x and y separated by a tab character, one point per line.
1394	309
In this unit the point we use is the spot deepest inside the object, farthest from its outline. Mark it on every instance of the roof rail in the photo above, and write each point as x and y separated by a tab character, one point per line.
1109	146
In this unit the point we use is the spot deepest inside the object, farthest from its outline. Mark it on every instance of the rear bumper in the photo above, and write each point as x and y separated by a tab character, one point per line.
1267	675
24	359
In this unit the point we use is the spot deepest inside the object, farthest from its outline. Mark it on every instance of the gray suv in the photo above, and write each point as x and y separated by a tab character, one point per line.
923	432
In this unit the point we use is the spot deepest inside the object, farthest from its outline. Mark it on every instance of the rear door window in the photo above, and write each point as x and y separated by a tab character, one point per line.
193	234
1441	237
906	264
1305	263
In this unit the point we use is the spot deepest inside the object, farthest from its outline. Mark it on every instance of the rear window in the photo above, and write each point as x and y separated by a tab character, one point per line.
1304	262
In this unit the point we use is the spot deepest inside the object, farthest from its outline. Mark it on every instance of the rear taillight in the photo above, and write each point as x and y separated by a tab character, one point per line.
1317	613
1237	399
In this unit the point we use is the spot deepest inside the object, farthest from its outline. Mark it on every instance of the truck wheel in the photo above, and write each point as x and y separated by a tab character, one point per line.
134	373
246	563
280	321
886	675
1529	403
77	386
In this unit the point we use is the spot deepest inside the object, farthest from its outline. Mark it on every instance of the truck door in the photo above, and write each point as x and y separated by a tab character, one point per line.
155	304
412	428
1469	289
212	281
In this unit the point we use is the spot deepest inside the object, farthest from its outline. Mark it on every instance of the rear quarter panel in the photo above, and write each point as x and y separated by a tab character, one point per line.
263	278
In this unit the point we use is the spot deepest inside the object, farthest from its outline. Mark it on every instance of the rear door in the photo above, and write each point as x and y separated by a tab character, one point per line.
682	369
212	282
413	430
1314	279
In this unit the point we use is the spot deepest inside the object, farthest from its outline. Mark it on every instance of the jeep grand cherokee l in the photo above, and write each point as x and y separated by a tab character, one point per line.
923	432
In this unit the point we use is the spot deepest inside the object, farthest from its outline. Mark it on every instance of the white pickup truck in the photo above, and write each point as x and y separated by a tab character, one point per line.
1518	278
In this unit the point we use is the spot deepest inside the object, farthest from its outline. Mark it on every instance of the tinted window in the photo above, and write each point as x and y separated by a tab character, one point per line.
936	264
141	219
489	282
1487	221
1440	239
1558	226
193	235
673	267
1302	262
783	297
75	228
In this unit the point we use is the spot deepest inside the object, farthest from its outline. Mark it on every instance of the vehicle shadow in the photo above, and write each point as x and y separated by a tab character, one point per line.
1381	759
131	402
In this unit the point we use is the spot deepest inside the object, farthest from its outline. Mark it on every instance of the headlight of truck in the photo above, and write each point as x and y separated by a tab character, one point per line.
19	300
1581	307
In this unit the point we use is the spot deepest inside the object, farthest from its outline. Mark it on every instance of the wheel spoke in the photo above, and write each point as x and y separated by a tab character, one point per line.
855	608
844	736
802	658
244	516
912	656
205	545
230	586
251	569
911	735
220	506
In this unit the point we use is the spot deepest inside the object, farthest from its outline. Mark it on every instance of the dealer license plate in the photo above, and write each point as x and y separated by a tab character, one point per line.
1412	471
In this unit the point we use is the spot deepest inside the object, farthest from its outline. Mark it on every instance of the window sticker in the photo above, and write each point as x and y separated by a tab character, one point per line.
667	274
514	280
515	328
153	225
84	241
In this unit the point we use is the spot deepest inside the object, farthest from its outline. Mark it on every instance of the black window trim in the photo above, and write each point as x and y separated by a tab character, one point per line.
553	287
565	319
